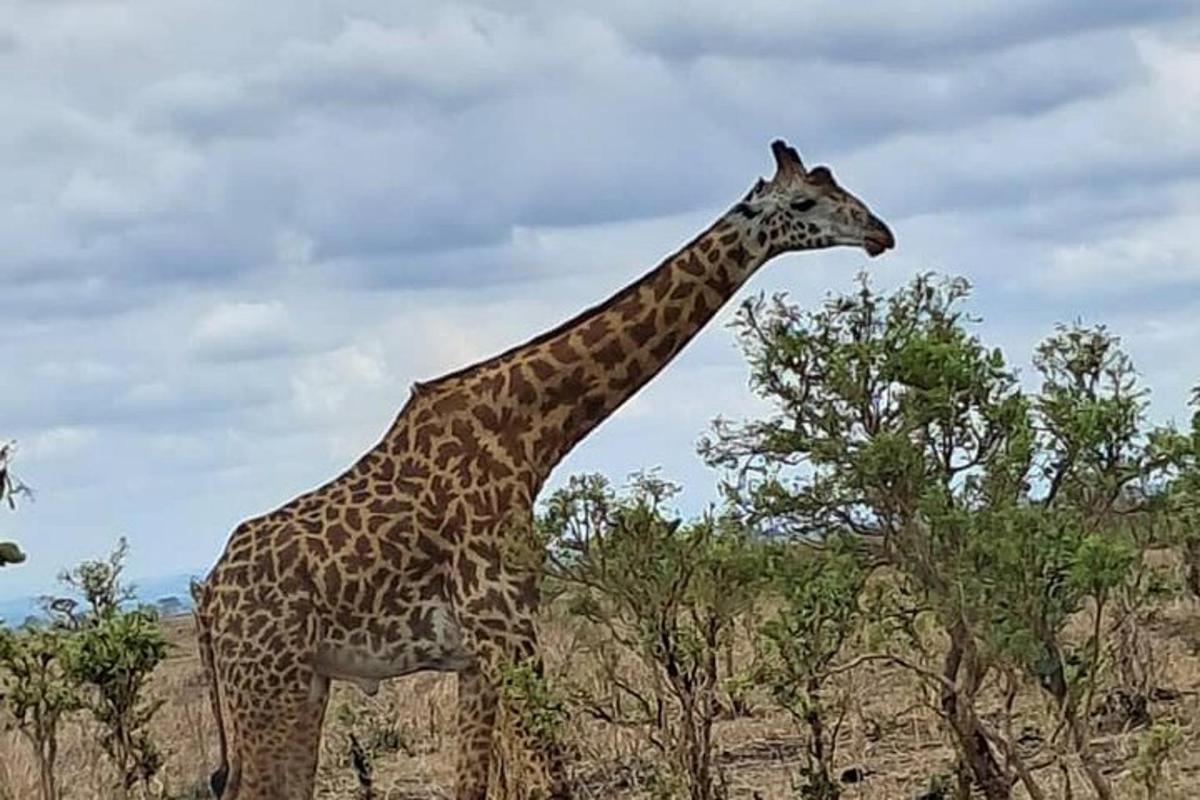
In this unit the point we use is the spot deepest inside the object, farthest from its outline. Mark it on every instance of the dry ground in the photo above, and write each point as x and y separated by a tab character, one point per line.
409	728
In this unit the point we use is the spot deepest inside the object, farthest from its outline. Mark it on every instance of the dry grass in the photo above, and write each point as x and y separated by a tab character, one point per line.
409	731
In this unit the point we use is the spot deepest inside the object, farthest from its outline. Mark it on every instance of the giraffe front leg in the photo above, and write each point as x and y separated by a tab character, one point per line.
476	725
482	700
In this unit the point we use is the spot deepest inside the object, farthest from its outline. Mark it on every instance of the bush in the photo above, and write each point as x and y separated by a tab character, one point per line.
817	614
109	654
111	660
1157	746
37	693
662	593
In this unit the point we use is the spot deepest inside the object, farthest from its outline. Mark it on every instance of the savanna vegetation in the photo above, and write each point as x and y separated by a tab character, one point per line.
929	575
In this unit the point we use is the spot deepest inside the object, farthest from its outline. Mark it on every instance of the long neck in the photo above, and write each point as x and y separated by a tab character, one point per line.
561	385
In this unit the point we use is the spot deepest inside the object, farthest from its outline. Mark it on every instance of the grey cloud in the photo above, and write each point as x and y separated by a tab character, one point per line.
834	107
906	31
65	297
146	403
204	106
351	135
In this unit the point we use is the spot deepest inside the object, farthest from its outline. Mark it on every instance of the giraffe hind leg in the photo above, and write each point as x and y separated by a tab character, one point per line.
202	615
273	706
276	739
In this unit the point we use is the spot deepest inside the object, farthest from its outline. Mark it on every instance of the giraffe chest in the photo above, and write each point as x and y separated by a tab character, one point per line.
374	649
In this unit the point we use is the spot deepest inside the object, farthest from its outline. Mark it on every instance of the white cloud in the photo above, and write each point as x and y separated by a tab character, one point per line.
243	329
327	383
381	60
1155	254
1176	66
90	195
57	443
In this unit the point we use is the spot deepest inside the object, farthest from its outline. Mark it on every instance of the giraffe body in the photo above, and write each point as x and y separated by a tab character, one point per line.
403	563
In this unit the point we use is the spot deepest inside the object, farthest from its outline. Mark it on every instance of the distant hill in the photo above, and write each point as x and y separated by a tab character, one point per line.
157	592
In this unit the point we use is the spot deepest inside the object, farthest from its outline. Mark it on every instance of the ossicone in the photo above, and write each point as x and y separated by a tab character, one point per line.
787	160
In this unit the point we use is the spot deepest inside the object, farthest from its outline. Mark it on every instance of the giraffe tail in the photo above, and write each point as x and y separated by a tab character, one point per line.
201	594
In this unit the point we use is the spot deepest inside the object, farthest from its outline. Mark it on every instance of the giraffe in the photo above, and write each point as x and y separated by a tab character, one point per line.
399	564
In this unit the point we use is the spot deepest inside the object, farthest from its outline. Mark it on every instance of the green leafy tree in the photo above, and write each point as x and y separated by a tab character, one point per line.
1181	494
110	654
889	413
657	592
1157	747
111	659
817	614
1072	541
99	583
1001	515
37	694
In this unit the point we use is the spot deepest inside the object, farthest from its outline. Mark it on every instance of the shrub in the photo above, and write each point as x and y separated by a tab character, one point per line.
662	593
37	694
818	613
1158	745
109	654
111	660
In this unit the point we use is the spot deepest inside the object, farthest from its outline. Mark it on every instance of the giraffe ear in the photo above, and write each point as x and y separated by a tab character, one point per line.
787	160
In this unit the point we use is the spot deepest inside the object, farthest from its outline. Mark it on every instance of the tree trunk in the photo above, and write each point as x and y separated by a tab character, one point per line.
974	750
1056	685
46	777
980	760
693	764
1084	747
46	757
818	758
42	736
696	744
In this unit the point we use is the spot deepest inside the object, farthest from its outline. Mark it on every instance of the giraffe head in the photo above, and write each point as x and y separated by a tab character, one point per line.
806	209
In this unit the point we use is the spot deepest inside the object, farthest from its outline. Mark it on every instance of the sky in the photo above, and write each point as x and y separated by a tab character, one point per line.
235	233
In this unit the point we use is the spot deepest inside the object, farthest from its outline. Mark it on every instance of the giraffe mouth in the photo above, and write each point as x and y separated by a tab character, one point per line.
878	239
875	245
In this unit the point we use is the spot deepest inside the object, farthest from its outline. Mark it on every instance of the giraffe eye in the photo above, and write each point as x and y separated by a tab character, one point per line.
803	205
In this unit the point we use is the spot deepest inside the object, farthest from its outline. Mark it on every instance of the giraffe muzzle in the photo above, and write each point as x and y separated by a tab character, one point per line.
878	238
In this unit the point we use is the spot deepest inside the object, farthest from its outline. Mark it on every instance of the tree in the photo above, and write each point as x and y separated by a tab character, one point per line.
662	592
884	408
1181	494
1092	486
36	693
817	615
99	583
111	659
169	606
110	654
997	514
